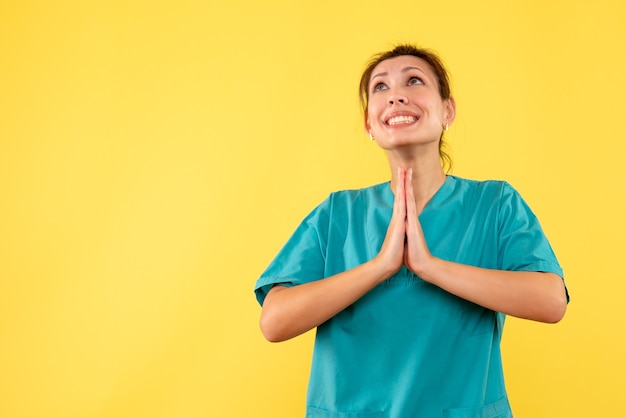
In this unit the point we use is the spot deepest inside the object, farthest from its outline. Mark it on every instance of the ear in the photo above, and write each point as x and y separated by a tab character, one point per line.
450	110
366	122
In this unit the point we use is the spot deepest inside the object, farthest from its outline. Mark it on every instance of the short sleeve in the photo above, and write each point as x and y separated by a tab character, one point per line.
302	258
522	245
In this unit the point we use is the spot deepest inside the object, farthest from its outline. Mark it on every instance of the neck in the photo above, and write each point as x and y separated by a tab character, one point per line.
428	175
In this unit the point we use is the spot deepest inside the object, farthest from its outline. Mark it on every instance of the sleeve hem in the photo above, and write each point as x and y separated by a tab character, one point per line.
546	267
264	284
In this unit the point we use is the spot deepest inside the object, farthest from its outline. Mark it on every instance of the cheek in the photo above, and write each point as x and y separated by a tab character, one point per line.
373	111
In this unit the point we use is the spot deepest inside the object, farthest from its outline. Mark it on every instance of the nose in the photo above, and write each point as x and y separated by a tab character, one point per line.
397	99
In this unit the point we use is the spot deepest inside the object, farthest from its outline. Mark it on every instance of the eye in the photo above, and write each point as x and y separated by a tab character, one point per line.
379	87
415	81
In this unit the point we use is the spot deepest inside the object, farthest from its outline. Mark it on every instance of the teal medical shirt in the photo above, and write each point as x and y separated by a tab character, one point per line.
408	349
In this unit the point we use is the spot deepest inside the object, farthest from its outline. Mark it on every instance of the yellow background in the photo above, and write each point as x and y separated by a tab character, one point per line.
154	156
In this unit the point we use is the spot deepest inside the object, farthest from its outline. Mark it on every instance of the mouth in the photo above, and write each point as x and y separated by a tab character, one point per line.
401	120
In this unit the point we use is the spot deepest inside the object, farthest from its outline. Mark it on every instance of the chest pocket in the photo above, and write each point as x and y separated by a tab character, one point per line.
320	413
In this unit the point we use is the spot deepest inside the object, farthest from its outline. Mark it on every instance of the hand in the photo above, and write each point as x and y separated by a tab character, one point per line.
416	252
391	254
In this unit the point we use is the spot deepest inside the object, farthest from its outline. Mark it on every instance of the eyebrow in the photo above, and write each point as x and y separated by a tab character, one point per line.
404	70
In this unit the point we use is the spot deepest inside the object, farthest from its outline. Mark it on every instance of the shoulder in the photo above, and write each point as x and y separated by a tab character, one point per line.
349	196
500	198
364	191
494	188
473	184
494	196
345	201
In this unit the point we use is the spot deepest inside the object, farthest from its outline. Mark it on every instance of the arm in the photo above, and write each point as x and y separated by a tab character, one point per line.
524	294
290	311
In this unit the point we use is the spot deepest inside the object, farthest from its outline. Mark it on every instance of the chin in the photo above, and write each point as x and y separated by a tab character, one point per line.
403	142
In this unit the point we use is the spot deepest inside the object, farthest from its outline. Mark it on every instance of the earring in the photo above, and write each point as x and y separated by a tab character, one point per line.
446	127
371	137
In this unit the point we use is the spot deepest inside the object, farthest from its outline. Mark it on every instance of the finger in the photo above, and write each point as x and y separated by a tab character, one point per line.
392	249
411	208
400	200
414	233
398	218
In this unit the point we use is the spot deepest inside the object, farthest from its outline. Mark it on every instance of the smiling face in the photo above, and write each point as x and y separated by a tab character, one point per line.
404	106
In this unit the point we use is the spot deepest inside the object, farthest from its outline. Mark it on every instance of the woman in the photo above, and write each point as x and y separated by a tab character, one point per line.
408	282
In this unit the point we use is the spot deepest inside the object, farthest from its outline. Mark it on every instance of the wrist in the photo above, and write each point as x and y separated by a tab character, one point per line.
427	269
383	269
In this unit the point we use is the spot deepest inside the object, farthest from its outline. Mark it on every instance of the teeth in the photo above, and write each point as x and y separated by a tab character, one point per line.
401	119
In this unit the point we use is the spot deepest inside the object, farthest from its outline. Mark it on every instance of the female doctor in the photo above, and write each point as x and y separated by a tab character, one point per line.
408	282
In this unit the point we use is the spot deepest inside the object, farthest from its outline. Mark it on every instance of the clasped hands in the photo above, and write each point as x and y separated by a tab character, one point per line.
404	242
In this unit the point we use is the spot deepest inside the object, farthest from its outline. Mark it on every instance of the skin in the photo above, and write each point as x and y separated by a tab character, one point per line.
406	86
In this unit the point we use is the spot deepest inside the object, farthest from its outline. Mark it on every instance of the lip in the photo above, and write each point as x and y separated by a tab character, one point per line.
392	115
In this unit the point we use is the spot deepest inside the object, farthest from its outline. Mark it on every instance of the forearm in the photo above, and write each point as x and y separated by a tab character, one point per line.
529	295
290	311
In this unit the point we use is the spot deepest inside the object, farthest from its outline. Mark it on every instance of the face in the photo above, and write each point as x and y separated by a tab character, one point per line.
404	106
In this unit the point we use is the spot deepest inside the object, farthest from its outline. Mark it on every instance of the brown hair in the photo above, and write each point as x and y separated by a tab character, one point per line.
435	64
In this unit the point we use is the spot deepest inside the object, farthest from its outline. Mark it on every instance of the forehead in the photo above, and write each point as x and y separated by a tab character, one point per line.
398	64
